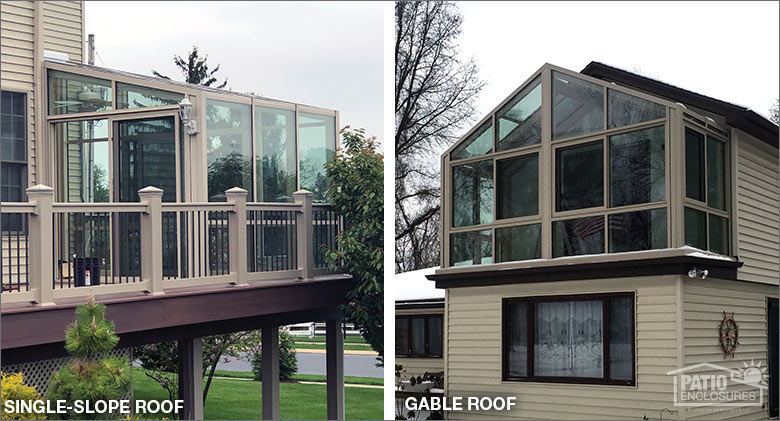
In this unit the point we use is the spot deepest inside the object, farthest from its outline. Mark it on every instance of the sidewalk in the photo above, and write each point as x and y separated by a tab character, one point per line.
346	352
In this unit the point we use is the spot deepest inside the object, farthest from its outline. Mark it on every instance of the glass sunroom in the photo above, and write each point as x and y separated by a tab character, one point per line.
112	133
571	165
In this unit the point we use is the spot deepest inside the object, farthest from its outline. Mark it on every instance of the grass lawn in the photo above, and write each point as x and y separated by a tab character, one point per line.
241	400
376	381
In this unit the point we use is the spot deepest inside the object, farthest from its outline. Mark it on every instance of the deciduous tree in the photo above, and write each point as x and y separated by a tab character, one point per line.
195	69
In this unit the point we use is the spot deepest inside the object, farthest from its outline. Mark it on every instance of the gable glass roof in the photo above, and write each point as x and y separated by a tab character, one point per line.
579	166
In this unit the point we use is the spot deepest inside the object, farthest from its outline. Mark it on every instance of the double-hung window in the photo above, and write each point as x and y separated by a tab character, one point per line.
569	339
13	155
419	336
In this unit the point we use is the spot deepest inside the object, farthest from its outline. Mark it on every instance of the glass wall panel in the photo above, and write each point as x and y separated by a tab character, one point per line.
568	339
317	137
520	120
471	248
695	228
719	234
578	106
578	236
517	358
418	336
518	186
83	161
478	143
694	164
580	176
229	148
132	96
435	340
716	182
640	230
621	338
275	154
472	194
401	336
71	93
519	243
636	167
146	157
624	109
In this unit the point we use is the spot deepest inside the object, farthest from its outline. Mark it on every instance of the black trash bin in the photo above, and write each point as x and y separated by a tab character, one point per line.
87	271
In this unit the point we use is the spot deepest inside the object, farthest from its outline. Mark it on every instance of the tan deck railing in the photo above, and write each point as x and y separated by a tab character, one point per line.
65	250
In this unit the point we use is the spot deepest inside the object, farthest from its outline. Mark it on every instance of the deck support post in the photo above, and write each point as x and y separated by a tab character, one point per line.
41	241
335	369
304	230
151	239
191	378
270	378
237	234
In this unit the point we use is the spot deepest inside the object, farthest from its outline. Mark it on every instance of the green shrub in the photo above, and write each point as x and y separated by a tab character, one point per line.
13	388
288	361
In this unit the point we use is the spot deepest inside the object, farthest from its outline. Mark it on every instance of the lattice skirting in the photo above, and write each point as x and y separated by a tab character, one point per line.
38	373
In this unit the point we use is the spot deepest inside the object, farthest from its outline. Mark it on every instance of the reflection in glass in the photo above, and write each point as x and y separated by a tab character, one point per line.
83	160
418	336
636	167
472	196
71	93
716	183
695	228
317	137
401	337
568	339
621	338
640	230
132	96
580	176
435	341
624	109
520	120
518	186
694	164
478	143
519	243
578	236
517	359
471	248
147	157
719	235
578	106
275	154
228	148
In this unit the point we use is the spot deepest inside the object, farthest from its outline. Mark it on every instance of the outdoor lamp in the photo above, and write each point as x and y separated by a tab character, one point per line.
185	108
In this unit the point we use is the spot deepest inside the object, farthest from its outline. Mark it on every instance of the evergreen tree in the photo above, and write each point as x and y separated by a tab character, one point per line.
89	375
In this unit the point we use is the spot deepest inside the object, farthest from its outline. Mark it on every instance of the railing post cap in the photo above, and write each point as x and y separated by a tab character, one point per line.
39	188
150	190
236	191
303	192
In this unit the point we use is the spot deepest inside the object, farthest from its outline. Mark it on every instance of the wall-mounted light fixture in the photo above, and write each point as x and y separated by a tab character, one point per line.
698	273
185	108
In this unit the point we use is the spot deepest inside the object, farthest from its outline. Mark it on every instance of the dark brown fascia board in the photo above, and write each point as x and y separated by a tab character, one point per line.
736	116
673	265
430	303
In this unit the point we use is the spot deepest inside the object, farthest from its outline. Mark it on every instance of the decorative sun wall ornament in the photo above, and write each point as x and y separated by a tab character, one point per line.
729	334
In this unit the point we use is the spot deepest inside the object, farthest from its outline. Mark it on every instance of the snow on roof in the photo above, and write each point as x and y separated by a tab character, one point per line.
415	286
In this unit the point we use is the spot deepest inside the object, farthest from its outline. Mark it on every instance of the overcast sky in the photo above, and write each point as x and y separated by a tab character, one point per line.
323	54
726	50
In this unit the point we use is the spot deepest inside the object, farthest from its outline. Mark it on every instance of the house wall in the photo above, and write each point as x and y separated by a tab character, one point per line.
419	366
757	216
704	302
473	351
60	28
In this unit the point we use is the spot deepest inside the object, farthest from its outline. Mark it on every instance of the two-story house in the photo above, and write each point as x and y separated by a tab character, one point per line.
600	230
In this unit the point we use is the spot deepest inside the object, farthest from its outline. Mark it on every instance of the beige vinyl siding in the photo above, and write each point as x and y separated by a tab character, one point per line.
419	366
758	226
473	347
704	302
63	28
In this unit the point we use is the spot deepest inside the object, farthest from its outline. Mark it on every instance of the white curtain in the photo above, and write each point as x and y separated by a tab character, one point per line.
568	339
